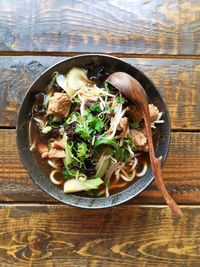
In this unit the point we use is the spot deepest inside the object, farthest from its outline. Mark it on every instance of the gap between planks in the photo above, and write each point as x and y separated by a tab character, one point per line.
176	130
59	205
121	55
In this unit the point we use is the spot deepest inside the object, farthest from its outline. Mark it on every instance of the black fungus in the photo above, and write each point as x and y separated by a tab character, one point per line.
90	172
41	112
97	74
54	133
70	130
90	168
39	105
56	88
75	107
39	99
89	103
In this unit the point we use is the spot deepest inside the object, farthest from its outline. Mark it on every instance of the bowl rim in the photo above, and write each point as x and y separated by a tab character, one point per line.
86	202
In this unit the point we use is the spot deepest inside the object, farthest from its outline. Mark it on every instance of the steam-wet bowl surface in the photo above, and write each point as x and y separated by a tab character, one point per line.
113	64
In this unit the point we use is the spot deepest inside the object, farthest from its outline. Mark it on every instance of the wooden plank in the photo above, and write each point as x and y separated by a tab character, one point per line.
122	236
141	27
178	81
181	173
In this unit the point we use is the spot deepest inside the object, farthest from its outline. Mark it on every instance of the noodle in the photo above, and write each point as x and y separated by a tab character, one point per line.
144	170
114	186
52	178
134	164
128	178
117	172
53	164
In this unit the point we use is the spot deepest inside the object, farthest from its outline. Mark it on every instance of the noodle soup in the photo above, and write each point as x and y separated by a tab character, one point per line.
87	138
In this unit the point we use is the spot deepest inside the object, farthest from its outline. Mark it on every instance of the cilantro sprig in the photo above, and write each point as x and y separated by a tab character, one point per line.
88	124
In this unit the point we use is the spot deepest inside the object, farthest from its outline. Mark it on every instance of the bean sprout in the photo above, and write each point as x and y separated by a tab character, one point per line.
134	164
107	191
32	147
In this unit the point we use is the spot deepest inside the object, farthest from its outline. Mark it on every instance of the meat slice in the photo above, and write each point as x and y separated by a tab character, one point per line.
139	139
58	144
59	105
154	111
53	154
43	149
56	153
135	113
123	125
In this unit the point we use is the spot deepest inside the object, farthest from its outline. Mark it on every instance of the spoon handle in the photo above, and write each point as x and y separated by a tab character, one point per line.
156	167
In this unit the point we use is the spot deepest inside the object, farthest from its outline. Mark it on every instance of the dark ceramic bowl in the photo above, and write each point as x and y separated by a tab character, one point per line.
113	64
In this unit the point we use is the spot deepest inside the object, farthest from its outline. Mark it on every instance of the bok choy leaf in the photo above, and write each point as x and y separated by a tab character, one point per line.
75	185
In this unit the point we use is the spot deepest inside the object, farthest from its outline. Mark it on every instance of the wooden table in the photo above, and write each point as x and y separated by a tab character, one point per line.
162	38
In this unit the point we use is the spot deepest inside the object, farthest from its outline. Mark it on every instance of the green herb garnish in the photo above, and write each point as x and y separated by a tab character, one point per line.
93	193
46	129
135	125
88	124
96	108
120	99
82	151
96	124
76	100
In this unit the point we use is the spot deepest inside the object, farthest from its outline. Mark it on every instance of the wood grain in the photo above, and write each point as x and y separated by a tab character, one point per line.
141	27
181	173
63	236
178	81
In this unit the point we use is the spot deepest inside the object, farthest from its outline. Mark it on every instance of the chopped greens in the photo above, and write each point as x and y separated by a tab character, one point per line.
96	124
128	141
46	129
76	100
88	124
82	150
83	130
123	155
71	118
107	141
68	155
135	125
96	108
93	193
120	99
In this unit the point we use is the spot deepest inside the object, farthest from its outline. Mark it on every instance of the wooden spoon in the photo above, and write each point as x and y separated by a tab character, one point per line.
134	91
